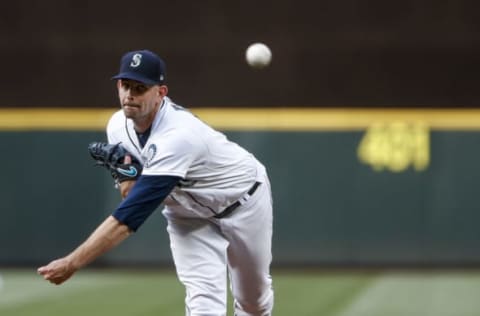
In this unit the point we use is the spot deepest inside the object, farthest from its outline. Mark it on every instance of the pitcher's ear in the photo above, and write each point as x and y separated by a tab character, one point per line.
163	90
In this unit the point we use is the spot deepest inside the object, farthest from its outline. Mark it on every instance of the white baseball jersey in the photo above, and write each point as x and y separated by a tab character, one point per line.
216	174
215	171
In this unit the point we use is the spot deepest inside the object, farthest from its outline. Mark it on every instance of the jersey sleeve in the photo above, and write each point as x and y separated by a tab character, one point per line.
174	154
114	125
146	195
111	138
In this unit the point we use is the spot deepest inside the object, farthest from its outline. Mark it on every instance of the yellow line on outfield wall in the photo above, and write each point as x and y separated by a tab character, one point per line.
274	119
54	119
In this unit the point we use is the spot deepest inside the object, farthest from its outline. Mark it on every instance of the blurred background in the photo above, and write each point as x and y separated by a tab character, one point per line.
326	53
368	120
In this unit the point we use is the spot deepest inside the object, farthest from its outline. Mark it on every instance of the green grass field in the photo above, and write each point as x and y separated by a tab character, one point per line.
322	293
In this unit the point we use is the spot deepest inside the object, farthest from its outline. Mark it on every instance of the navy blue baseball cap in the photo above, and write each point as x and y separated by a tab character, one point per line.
143	66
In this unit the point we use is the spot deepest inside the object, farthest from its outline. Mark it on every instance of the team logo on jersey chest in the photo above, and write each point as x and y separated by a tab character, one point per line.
151	152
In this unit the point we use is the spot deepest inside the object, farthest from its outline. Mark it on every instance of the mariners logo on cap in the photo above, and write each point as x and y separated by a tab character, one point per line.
136	60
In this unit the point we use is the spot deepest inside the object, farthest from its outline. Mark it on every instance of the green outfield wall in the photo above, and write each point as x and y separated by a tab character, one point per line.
350	187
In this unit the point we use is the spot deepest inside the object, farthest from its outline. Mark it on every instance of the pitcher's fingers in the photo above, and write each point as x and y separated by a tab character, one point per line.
127	160
42	270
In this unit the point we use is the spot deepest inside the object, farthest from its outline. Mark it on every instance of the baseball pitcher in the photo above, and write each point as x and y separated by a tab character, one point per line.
216	195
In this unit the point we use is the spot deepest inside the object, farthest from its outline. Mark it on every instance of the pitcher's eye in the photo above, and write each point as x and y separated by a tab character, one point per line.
140	88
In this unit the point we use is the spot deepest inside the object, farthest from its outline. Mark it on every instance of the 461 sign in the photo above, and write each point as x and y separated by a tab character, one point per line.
396	146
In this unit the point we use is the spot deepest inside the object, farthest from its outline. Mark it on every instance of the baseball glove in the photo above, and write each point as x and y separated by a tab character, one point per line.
112	158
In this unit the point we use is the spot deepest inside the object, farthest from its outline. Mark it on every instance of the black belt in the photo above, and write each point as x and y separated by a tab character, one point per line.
232	207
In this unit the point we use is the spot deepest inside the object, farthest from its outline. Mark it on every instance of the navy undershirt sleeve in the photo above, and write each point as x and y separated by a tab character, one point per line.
144	197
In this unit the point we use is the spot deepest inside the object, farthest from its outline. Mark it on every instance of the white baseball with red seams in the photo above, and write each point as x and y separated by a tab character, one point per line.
258	55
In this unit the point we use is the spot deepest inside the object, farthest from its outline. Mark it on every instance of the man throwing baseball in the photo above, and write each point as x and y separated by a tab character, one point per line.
216	195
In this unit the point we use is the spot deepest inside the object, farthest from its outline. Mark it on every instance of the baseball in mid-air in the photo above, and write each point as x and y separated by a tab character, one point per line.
258	55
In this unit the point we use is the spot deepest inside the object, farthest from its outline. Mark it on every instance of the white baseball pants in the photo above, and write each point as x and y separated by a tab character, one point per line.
207	251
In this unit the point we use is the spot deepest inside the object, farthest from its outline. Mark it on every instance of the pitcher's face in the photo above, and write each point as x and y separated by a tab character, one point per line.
139	100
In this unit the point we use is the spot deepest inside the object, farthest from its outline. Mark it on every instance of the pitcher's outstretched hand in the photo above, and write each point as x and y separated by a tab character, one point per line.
57	271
